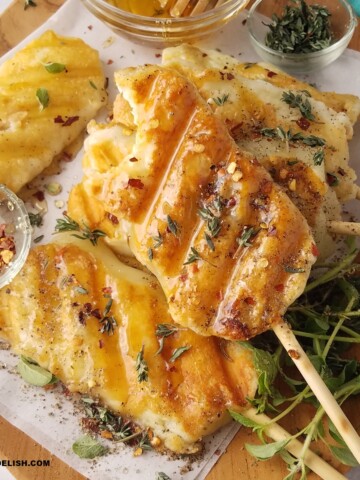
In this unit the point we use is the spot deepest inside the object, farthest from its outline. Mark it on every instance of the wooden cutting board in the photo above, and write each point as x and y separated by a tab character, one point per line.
236	464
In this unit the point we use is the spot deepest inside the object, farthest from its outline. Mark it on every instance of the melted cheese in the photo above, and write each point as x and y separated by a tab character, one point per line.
40	314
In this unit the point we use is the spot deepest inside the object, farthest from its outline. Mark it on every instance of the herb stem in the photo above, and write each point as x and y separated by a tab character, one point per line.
332	273
327	337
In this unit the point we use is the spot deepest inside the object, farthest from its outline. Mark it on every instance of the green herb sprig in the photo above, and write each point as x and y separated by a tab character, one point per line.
326	321
301	28
141	367
67	224
299	100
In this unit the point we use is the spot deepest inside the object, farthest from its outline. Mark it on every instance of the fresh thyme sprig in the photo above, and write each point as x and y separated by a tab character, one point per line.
220	101
324	318
108	322
67	224
297	100
141	367
164	330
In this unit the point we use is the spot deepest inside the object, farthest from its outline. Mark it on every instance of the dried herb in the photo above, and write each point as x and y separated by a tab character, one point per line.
38	239
92	84
141	366
53	67
150	253
298	101
178	352
279	133
172	225
159	240
220	101
162	331
29	3
67	224
36	219
194	256
290	269
108	322
247	236
43	97
209	242
319	157
162	476
301	28
213	222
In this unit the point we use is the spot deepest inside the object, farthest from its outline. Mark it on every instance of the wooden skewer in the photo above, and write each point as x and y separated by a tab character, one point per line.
344	228
318	387
311	460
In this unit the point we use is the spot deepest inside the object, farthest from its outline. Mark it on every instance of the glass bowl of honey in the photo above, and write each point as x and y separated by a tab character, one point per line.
15	235
161	22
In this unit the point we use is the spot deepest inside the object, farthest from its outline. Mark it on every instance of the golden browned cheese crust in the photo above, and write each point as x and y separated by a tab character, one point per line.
31	135
51	313
185	190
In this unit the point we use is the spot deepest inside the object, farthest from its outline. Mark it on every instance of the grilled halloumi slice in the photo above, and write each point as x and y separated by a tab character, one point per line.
51	313
248	98
230	250
32	133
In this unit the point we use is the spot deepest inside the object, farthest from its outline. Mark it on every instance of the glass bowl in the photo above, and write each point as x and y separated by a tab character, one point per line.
159	31
343	24
15	231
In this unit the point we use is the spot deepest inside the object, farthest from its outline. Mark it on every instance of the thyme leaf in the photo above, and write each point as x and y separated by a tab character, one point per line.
298	101
172	225
301	28
162	331
247	236
194	256
178	352
220	101
67	224
141	367
43	98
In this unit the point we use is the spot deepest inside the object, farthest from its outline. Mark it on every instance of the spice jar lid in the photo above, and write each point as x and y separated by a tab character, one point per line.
15	235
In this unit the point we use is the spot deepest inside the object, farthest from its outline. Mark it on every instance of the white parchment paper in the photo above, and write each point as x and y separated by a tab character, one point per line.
50	417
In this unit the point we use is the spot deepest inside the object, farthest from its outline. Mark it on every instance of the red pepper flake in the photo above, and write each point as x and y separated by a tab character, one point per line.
183	277
70	120
303	123
90	27
272	231
244	21
107	290
231	202
59	119
7	247
341	172
135	183
220	295
133	159
271	74
230	76
101	343
39	195
279	287
157	55
96	313
314	250
66	157
109	62
113	218
249	301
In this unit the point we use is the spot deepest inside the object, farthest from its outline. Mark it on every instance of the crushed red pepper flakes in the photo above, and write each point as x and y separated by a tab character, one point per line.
280	287
303	123
39	195
315	250
135	183
271	74
113	218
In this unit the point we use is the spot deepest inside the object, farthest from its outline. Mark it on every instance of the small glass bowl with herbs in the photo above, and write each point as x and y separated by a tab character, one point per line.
300	36
15	235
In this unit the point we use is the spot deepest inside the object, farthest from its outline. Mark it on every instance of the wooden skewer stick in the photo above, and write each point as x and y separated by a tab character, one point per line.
344	228
311	460
320	390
